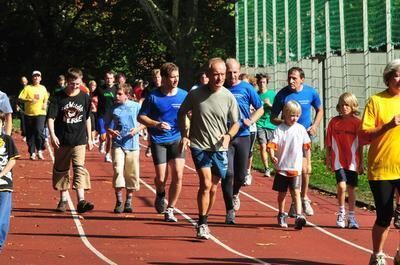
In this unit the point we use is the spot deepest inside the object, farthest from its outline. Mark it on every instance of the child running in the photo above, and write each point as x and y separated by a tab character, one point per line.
124	130
8	154
290	140
344	155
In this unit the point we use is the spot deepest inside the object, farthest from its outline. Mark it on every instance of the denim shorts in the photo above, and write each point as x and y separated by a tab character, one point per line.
216	160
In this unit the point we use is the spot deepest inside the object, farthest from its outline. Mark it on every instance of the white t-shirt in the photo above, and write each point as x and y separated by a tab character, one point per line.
288	141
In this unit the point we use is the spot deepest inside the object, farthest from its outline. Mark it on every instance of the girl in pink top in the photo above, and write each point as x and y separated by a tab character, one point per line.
344	155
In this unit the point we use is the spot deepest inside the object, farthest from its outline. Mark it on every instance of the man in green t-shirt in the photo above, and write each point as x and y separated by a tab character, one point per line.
264	126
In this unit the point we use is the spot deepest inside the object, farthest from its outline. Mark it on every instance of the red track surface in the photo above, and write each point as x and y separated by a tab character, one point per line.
39	235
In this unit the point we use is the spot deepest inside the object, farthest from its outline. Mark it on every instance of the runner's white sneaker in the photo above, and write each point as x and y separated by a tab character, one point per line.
203	232
236	202
341	220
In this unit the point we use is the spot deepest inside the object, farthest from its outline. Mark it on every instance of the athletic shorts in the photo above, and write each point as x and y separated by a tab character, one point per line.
282	183
103	124
348	176
216	160
383	192
264	135
164	152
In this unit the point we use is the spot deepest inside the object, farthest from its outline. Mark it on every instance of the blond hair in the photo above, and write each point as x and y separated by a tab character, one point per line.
290	108
349	99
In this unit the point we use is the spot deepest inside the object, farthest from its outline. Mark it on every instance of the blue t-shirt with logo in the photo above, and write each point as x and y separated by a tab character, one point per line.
307	97
124	119
245	95
163	108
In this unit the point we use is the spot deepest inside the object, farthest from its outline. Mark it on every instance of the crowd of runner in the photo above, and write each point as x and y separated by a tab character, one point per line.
219	119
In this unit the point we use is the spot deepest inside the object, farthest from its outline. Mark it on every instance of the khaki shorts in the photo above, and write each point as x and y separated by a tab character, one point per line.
64	155
126	169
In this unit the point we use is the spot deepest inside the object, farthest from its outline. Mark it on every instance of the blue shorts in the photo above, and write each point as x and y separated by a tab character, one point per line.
348	176
103	124
216	160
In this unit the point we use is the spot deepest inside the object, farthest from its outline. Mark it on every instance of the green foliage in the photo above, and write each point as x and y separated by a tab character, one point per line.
98	35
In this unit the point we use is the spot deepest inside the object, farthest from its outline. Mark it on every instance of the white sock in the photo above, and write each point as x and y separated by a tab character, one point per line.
80	194
63	195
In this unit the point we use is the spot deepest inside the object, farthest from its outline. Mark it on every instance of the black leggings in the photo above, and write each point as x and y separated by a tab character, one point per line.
383	192
238	154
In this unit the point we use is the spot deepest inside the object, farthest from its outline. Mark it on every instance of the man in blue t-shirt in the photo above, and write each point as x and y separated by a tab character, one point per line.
159	113
239	147
308	98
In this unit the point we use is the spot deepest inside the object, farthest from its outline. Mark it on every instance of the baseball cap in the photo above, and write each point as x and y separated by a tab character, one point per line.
36	73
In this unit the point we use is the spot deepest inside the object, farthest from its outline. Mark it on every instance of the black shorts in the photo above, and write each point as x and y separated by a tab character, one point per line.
164	152
282	183
383	192
348	176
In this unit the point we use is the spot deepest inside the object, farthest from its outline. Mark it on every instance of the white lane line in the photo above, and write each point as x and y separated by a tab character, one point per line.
79	227
213	238
309	223
82	234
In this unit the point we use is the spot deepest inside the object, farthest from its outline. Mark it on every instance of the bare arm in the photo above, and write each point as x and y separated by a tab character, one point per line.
10	164
148	122
89	133
54	138
254	116
318	117
8	124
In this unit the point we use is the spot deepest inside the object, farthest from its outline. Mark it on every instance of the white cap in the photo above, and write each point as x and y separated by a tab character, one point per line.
36	73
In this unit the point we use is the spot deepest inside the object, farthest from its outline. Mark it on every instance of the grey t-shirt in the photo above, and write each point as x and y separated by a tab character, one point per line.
211	112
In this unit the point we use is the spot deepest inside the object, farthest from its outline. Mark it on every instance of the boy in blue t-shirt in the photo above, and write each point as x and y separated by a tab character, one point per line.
124	129
8	154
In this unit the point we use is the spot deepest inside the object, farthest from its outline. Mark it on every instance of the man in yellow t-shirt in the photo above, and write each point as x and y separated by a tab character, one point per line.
381	129
35	99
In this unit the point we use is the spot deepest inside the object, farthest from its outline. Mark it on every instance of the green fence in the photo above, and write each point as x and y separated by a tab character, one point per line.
305	22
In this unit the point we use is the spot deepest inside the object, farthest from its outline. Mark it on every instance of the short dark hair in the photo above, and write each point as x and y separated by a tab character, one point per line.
73	74
297	69
167	68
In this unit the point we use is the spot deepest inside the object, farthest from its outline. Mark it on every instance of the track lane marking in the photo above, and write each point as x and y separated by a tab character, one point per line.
322	230
213	238
78	224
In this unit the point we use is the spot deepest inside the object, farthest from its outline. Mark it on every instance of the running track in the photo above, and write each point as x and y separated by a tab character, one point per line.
39	235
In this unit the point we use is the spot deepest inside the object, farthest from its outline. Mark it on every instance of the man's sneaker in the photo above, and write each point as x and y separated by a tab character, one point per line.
236	202
396	220
300	222
128	207
292	210
33	156
230	217
247	180
352	223
203	232
377	259
148	152
169	215
282	220
341	220
118	207
108	158
40	155
62	206
84	206
267	172
307	209
160	204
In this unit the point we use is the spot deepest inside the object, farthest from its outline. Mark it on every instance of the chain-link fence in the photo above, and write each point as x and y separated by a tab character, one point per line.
341	45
